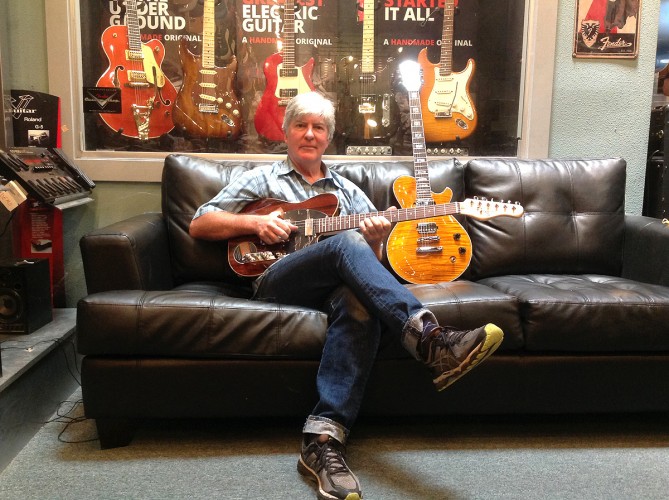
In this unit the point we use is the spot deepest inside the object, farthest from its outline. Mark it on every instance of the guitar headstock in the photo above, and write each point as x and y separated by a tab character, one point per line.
411	75
483	209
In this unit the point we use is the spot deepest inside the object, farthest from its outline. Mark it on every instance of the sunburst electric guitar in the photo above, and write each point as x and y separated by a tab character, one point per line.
283	81
436	248
367	109
207	105
147	95
448	111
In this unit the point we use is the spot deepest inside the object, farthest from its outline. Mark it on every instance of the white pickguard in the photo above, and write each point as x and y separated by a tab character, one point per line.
449	94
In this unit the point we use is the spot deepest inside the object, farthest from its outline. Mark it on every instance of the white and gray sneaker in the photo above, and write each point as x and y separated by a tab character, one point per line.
325	463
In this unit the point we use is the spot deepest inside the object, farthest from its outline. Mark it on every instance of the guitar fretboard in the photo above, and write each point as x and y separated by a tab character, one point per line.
446	59
132	23
327	225
420	165
208	35
288	48
368	37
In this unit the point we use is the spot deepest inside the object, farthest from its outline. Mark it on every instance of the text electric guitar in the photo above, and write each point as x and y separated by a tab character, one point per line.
147	95
436	248
283	81
367	109
448	111
248	256
207	105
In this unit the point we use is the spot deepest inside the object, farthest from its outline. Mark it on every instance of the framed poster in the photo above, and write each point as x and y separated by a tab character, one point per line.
607	28
326	41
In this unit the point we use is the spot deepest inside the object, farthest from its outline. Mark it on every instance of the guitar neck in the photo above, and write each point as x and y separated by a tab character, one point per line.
420	165
368	37
288	47
446	58
134	35
208	35
328	225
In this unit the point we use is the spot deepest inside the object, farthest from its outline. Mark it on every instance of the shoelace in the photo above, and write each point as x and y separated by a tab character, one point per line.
333	460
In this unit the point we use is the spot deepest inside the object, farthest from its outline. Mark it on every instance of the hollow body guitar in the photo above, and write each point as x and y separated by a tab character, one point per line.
435	249
207	105
147	95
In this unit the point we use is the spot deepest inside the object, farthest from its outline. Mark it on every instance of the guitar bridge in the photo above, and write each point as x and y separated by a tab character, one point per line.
266	255
142	115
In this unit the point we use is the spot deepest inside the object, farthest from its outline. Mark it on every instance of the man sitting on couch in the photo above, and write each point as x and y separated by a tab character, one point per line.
342	276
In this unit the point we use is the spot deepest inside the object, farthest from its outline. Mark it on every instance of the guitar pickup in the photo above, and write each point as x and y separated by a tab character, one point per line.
429	250
428	239
426	228
288	72
366	108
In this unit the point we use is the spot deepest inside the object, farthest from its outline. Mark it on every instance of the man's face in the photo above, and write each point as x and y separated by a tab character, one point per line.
307	139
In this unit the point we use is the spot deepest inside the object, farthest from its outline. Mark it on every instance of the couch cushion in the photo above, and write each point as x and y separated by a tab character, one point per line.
589	313
573	221
191	324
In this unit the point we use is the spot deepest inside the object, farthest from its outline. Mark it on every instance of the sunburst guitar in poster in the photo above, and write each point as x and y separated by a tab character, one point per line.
207	105
448	110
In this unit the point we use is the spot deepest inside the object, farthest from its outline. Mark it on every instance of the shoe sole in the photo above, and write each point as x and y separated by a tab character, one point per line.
493	339
310	474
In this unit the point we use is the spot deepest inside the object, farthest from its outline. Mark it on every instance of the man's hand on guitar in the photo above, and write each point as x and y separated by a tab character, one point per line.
273	228
375	230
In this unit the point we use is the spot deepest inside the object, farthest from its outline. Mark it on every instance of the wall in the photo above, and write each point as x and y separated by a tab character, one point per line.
600	108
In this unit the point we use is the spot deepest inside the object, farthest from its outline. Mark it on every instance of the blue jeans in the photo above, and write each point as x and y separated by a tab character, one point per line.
342	277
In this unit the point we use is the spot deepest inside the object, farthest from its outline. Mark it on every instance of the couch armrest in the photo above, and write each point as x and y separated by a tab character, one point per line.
132	254
646	250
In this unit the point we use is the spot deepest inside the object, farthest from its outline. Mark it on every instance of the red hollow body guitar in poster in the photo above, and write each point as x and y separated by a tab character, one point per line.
147	96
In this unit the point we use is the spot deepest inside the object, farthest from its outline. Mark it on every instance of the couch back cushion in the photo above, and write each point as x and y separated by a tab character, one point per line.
573	218
189	181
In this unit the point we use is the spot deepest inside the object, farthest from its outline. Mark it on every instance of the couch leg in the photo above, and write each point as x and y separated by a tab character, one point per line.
115	432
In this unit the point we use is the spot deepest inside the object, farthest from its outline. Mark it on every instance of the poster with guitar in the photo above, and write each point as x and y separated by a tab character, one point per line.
147	95
449	113
207	105
284	79
367	112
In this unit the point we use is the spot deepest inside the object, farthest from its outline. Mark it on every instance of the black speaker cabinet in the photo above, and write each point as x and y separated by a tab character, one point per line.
25	295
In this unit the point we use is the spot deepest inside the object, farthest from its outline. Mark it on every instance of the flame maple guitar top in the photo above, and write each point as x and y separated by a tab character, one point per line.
443	255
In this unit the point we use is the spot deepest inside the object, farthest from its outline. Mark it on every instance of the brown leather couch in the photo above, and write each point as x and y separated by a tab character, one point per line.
580	289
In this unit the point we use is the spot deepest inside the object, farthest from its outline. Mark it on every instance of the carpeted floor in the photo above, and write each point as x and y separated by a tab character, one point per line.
549	458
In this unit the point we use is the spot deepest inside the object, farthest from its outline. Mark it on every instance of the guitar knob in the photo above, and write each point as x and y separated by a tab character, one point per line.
228	106
462	250
235	112
457	236
453	260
